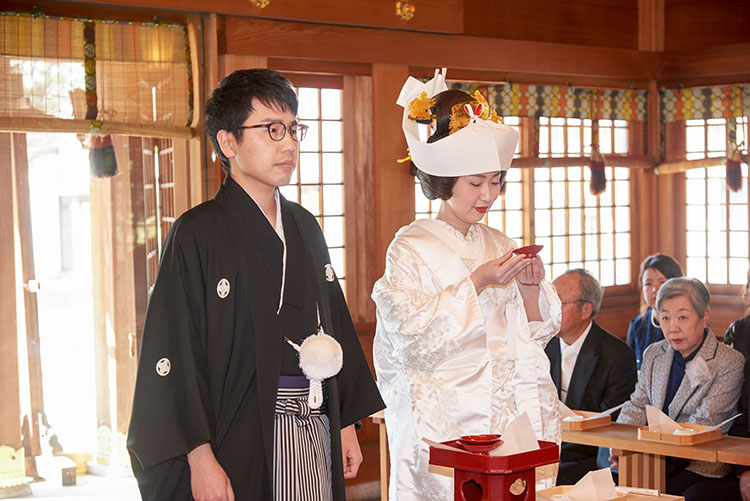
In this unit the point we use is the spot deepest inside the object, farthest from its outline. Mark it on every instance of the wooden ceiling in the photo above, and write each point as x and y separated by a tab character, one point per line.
688	24
583	42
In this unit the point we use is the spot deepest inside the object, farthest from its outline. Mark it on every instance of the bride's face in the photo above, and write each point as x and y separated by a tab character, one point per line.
471	198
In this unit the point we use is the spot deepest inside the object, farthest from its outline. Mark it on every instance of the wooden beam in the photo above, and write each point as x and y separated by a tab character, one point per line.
685	165
285	64
10	417
231	62
632	161
722	64
357	45
439	16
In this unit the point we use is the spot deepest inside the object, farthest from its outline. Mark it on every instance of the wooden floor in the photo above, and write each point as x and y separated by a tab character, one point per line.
88	488
365	487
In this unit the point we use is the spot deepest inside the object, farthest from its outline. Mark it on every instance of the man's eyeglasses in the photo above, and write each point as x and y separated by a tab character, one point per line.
277	130
575	301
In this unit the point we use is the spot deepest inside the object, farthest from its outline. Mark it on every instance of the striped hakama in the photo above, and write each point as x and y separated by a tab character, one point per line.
302	446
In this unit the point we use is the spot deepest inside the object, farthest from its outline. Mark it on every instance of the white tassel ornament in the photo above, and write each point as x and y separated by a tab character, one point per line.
320	357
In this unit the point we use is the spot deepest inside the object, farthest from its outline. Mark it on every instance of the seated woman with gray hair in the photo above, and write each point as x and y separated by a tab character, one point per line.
690	376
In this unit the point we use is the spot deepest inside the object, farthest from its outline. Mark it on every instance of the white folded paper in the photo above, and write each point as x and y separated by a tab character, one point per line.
597	485
517	437
659	422
569	415
716	427
609	411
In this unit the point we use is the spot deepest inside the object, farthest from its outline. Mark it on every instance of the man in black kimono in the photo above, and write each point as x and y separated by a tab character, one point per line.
238	274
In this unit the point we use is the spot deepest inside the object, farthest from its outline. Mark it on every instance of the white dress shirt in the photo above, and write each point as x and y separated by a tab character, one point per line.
568	356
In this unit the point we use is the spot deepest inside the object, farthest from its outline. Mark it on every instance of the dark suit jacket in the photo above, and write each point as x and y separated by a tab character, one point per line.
603	377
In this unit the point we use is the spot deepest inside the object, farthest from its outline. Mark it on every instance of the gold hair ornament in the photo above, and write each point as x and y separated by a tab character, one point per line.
420	108
461	115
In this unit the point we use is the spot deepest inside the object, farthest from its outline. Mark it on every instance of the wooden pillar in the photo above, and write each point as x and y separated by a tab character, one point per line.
196	145
181	162
671	197
212	176
651	25
140	281
528	149
101	252
23	207
393	192
122	293
644	184
114	295
359	209
10	417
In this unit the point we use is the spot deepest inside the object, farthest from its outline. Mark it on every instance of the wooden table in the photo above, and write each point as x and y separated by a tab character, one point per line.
643	462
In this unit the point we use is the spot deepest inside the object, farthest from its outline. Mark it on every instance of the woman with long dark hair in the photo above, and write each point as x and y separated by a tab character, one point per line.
644	329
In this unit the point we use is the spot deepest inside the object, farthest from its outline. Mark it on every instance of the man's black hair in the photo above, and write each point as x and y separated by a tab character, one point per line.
232	102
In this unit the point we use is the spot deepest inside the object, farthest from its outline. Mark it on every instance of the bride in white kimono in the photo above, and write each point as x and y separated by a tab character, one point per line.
461	322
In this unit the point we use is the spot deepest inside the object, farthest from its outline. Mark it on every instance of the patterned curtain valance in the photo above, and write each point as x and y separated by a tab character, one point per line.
705	102
525	100
72	75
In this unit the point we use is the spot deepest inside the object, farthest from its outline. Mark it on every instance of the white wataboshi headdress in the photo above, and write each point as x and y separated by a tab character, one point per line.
478	142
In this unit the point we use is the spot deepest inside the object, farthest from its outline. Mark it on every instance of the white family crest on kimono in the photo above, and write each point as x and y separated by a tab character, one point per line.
450	362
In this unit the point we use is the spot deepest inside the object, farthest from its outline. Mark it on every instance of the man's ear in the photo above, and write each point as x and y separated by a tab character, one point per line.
588	310
227	142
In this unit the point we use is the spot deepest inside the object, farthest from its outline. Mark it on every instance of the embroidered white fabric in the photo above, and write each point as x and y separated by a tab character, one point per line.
450	362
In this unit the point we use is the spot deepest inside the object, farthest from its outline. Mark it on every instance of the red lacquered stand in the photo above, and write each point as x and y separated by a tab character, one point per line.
481	477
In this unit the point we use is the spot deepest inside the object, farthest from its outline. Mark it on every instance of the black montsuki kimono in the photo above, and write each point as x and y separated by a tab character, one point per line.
211	352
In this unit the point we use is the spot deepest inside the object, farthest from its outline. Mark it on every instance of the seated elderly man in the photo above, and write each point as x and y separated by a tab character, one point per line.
592	369
691	377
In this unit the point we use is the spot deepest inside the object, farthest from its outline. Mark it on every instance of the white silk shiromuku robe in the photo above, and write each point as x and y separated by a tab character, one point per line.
450	362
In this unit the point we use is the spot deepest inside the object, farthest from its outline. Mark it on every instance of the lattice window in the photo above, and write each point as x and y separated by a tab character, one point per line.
564	137
743	128
613	136
717	219
578	229
158	200
318	182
